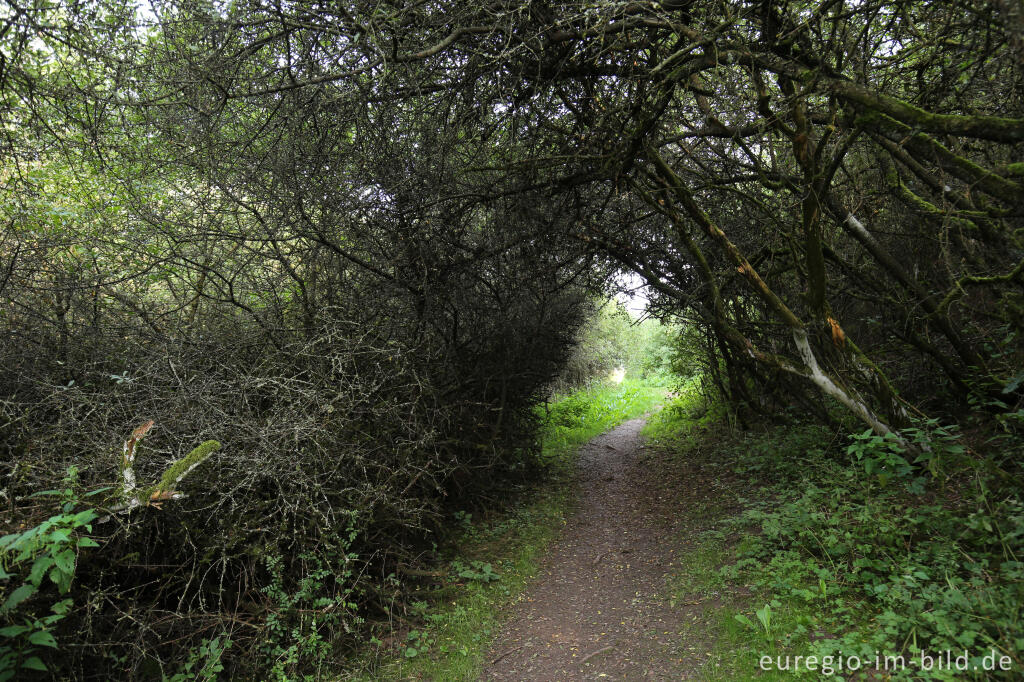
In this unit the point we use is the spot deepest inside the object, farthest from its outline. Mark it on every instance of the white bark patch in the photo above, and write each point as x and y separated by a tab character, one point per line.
826	384
128	475
859	228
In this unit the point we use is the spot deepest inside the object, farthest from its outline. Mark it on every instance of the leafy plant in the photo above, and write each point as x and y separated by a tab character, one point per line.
298	626
476	570
204	662
49	551
764	617
417	642
887	456
881	456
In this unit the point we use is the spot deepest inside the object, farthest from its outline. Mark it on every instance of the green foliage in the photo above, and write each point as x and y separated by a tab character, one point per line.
604	343
655	357
887	457
908	578
572	420
612	339
305	618
46	554
883	457
417	642
204	662
475	570
850	562
764	617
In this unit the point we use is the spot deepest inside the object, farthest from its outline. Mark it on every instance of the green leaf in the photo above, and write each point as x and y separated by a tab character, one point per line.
13	630
87	542
60	535
765	616
61	579
1013	383
62	607
98	491
16	597
65	561
745	621
33	663
47	493
84	517
42	638
39	569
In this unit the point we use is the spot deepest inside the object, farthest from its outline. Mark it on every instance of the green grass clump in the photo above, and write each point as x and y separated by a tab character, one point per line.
571	420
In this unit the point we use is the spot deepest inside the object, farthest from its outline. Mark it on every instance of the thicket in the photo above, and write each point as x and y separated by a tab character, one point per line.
367	359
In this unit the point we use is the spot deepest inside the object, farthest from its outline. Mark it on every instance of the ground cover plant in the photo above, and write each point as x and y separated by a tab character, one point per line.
830	545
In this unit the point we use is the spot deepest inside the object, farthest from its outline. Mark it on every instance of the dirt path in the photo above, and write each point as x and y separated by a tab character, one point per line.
599	609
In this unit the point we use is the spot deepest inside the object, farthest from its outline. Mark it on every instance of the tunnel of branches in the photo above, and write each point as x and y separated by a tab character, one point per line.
354	243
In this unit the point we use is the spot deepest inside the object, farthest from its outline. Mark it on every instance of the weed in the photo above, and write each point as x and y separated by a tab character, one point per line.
476	570
49	551
204	662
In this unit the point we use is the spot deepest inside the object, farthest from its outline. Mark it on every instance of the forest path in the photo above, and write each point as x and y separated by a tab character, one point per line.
599	608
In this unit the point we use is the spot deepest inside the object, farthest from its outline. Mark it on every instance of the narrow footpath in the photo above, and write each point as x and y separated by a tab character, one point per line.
599	608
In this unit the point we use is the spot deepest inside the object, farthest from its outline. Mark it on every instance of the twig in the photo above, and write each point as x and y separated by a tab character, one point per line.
595	653
510	651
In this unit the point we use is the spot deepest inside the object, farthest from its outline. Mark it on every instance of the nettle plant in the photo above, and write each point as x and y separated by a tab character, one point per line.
908	455
31	560
306	612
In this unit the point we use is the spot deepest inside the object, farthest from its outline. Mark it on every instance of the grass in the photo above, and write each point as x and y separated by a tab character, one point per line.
495	560
572	420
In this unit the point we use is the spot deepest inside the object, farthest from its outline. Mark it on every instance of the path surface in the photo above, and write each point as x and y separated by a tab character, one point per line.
599	608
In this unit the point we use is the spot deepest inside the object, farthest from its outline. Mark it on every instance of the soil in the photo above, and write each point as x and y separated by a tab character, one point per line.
600	608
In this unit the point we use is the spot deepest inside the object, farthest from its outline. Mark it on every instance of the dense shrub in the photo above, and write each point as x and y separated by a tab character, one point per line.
352	409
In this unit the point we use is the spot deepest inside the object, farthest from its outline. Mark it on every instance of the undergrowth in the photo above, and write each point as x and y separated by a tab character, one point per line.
447	634
850	551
